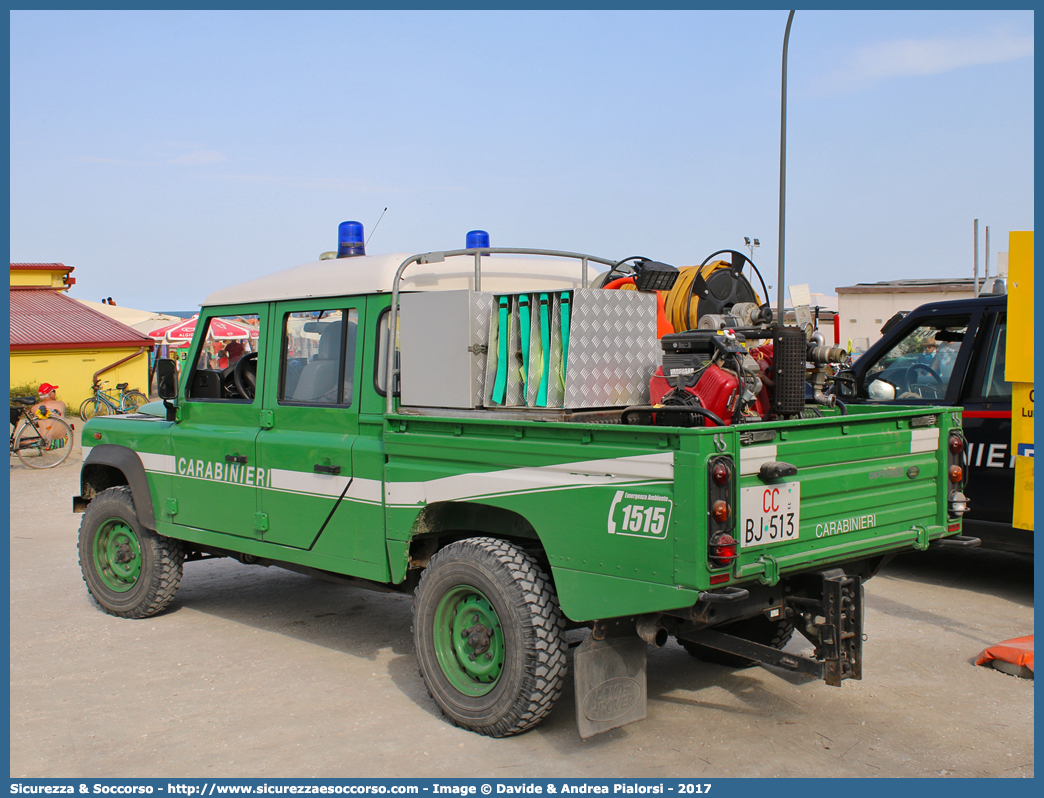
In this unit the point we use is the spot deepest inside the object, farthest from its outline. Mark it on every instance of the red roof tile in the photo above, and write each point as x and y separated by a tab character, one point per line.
43	318
54	267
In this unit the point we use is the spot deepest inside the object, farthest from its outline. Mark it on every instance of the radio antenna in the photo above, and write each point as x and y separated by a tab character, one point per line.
375	227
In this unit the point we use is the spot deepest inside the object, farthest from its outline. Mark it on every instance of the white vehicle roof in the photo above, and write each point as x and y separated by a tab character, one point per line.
373	274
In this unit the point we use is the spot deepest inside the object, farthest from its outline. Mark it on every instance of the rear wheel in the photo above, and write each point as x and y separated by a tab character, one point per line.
46	445
131	571
489	637
132	400
759	629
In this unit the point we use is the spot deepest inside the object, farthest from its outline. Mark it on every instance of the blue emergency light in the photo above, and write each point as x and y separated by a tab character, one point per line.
350	241
477	239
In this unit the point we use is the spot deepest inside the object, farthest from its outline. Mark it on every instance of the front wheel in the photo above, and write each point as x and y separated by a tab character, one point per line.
44	446
94	407
131	571
489	637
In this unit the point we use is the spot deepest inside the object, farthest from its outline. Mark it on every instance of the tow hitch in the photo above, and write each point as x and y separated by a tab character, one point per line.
833	623
609	666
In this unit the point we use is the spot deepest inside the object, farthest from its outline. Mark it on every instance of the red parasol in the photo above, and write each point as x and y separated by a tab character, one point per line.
225	329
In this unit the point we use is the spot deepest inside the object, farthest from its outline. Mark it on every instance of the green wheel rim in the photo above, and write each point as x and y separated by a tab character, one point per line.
469	640
117	555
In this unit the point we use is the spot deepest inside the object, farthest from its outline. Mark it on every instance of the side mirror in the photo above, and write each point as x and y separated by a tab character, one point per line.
167	379
845	383
881	391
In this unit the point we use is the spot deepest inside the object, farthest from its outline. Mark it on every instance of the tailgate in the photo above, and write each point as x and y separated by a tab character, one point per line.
866	483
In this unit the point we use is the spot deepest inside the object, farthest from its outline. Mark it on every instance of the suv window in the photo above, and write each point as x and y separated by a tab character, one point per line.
225	342
994	386
380	366
920	365
318	357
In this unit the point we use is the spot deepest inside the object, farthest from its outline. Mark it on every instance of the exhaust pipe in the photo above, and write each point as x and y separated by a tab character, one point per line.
651	630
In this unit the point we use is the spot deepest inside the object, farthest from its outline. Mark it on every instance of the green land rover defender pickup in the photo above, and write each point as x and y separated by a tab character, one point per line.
526	457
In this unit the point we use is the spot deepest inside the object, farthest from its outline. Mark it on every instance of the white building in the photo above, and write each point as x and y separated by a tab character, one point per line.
865	307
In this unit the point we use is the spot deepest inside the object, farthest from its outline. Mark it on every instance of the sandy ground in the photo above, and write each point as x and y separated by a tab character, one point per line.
257	672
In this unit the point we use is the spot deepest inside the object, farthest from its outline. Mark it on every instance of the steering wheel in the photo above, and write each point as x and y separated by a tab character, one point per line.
244	376
922	367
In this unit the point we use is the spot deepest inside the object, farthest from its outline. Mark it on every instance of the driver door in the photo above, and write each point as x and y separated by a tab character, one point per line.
216	473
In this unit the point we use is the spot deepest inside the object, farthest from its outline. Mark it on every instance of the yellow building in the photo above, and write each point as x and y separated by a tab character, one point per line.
56	339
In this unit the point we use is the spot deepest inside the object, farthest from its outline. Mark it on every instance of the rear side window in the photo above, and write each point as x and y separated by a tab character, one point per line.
380	367
318	364
993	385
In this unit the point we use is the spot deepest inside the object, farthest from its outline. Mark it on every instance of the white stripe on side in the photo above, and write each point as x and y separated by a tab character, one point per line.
164	463
752	458
304	482
590	473
924	440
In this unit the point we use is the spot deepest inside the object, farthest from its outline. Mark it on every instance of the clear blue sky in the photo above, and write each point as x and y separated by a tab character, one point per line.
164	154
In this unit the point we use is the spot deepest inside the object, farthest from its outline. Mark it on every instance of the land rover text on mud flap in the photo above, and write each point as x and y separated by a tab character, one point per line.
477	428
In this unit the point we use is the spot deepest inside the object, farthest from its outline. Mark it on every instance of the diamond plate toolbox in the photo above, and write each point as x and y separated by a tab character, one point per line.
613	350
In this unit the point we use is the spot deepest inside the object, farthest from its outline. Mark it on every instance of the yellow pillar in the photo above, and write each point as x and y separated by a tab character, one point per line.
1018	370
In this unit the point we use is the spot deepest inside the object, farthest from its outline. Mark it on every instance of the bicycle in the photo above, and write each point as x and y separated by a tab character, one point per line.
40	442
105	403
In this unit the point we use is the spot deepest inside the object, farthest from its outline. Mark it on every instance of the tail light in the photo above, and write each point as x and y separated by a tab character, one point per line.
721	474
722	547
956	472
956	446
720	511
722	550
958	504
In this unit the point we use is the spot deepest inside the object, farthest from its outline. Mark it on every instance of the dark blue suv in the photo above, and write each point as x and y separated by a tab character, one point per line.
953	353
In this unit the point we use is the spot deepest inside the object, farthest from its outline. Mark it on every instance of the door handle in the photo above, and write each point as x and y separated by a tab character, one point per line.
235	458
327	469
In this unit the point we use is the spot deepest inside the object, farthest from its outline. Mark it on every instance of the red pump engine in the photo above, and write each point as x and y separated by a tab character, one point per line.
713	370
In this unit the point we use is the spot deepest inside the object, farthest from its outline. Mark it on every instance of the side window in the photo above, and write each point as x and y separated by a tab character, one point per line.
920	365
380	367
225	342
318	365
994	386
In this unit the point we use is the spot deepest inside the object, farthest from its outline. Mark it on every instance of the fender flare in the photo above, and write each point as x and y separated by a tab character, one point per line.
129	464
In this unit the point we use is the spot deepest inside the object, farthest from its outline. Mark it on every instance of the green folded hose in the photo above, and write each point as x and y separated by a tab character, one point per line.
545	340
500	383
524	330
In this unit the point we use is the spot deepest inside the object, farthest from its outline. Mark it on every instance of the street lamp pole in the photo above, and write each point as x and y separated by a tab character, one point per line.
782	171
751	246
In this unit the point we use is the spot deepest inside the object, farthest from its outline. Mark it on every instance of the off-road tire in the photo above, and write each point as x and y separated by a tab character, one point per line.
759	629
506	586
131	571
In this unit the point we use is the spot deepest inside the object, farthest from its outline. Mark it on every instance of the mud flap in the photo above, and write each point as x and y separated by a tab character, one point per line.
609	677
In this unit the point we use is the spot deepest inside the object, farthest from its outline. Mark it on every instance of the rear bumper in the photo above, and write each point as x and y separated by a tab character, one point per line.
768	569
999	537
